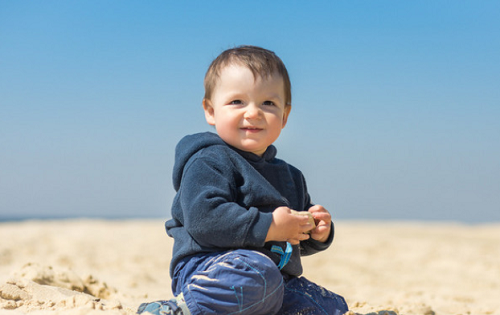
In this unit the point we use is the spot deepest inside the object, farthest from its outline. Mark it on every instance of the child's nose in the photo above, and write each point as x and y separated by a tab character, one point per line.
252	111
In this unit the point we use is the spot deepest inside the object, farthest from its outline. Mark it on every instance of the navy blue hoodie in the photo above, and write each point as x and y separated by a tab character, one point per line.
225	199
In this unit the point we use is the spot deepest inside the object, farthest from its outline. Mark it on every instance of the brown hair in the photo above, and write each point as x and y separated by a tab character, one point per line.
260	61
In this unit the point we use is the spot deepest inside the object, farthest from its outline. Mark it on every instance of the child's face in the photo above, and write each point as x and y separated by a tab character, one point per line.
248	113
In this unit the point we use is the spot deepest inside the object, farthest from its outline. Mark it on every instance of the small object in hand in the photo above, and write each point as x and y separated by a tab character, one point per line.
307	214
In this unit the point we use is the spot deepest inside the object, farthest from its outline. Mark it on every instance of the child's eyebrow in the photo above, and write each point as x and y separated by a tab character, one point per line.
234	95
274	96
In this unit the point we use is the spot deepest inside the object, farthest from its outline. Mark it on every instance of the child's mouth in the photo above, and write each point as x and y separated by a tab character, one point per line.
251	129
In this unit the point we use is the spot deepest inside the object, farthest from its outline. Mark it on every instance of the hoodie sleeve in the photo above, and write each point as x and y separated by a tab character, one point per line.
312	246
211	213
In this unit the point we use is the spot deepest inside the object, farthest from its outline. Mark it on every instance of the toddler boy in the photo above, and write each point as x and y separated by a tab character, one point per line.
237	243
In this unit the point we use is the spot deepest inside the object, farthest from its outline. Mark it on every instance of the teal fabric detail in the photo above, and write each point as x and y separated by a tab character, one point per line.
285	255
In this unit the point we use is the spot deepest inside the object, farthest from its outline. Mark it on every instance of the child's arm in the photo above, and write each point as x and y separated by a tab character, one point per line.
208	209
288	227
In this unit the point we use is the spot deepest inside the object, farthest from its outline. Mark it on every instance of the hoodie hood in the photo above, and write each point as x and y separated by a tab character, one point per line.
191	144
187	147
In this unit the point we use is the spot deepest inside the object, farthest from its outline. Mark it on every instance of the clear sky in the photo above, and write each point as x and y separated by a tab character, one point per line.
396	104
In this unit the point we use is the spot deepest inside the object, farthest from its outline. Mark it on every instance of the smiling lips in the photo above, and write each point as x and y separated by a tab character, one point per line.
251	129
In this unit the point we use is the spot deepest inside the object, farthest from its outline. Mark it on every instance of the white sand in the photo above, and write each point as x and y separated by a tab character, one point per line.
110	267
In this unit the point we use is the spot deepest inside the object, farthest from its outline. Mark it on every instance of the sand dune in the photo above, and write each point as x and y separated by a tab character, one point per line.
110	267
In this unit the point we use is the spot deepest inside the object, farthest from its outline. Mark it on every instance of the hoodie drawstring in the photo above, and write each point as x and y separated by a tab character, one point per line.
285	255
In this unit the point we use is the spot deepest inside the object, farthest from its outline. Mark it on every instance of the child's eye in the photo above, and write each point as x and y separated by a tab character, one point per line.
268	103
236	102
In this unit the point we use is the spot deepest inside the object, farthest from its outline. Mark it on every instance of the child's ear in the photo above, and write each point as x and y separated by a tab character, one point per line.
286	112
209	112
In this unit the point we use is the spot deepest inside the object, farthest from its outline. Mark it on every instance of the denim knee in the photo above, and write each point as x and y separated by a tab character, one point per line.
305	297
235	282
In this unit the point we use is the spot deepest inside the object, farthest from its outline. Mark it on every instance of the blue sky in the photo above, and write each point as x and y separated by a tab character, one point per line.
396	104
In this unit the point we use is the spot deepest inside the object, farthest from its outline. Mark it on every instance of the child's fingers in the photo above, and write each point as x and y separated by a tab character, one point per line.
305	228
321	216
317	208
300	237
322	219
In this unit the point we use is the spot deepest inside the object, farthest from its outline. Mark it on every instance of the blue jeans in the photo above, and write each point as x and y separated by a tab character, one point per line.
248	282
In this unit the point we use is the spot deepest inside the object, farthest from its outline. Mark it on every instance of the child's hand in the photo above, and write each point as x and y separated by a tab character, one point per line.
288	227
323	221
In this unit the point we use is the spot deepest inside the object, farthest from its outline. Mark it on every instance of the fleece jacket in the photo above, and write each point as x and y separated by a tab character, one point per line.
225	199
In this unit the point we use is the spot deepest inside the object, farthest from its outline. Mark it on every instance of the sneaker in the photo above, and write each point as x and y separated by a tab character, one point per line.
175	306
160	308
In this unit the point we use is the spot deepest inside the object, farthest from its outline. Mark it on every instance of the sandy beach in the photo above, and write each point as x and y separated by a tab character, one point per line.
110	267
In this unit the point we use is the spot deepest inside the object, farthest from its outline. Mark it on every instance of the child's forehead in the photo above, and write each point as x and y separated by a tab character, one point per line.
239	80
